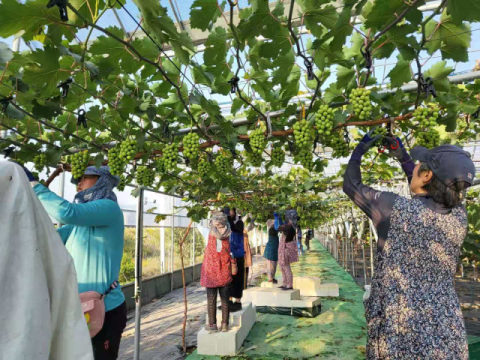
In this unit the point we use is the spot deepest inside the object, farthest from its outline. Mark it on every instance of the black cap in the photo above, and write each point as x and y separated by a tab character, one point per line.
448	163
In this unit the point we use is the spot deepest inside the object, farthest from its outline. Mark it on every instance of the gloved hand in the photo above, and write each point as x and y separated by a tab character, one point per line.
397	153
30	176
367	142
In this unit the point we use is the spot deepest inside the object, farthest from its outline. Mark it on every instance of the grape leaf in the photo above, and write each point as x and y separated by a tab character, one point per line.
439	73
464	10
284	65
157	21
5	53
204	13
44	73
383	13
315	17
344	76
453	41
341	30
401	73
215	53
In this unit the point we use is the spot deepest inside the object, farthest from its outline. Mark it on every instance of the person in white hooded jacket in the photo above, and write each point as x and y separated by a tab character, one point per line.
40	309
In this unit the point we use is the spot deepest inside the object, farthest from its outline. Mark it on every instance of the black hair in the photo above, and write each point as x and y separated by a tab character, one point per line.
450	196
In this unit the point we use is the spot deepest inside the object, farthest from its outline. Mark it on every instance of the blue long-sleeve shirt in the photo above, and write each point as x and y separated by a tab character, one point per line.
93	235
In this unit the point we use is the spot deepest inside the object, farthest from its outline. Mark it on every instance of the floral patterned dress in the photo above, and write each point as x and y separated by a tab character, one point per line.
287	251
216	267
413	311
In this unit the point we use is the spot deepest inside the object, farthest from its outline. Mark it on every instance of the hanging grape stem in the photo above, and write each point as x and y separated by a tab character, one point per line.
234	81
307	61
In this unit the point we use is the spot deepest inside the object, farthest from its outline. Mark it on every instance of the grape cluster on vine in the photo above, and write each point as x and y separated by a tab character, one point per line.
324	120
145	176
40	161
224	163
128	150
204	167
278	156
257	139
170	157
339	146
191	146
362	106
428	139
117	165
302	133
427	116
254	158
379	130
123	182
79	163
305	157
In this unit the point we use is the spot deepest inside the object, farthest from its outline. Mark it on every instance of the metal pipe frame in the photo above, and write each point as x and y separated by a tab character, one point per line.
138	273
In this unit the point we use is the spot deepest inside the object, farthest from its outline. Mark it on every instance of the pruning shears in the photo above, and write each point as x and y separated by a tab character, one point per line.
385	145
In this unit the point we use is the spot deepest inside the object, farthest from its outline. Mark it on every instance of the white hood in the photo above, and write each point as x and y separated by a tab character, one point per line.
40	312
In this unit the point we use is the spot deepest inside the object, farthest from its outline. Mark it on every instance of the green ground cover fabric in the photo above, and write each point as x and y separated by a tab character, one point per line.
339	332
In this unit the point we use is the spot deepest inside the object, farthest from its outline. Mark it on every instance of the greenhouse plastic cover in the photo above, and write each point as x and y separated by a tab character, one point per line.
40	311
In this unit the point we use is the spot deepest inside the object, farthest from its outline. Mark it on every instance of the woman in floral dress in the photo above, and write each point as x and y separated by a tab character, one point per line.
216	272
287	249
413	311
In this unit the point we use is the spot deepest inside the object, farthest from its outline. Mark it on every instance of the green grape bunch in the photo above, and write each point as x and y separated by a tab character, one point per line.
145	176
79	163
257	139
303	135
204	167
123	182
254	158
362	105
306	159
40	161
117	165
379	130
427	116
191	146
128	150
339	146
224	163
428	139
170	157
324	120
278	156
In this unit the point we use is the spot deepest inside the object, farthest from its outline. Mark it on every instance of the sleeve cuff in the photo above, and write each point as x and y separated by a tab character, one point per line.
356	155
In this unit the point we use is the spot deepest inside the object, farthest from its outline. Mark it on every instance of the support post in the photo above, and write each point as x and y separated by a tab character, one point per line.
193	254
138	273
172	247
364	263
162	250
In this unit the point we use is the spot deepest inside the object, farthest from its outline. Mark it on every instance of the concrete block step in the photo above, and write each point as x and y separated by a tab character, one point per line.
270	296
235	318
312	286
228	343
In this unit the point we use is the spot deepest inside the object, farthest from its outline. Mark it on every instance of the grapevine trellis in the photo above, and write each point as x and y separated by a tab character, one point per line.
122	98
136	100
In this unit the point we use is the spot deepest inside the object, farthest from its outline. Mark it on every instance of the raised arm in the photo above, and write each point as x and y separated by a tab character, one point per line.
375	204
95	213
397	149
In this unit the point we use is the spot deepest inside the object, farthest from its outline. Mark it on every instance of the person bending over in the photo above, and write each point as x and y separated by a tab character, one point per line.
413	311
93	235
